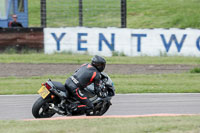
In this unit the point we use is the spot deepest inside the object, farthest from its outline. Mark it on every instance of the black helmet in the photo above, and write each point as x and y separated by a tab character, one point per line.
99	62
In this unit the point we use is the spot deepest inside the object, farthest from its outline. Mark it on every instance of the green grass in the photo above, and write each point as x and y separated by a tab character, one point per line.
34	13
163	13
184	124
157	83
195	70
140	14
152	83
79	59
29	85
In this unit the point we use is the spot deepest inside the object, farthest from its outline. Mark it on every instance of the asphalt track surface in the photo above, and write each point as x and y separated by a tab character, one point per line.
18	107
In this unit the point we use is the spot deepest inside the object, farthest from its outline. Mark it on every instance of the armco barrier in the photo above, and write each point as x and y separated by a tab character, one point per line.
21	38
131	42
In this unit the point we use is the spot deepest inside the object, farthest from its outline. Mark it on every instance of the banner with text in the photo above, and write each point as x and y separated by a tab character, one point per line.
131	42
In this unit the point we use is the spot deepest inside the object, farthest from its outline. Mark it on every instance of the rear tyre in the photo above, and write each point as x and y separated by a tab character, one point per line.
41	109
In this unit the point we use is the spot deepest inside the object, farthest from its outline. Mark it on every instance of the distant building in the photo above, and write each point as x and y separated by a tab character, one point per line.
9	7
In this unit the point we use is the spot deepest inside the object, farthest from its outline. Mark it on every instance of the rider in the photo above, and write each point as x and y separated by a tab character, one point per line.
84	76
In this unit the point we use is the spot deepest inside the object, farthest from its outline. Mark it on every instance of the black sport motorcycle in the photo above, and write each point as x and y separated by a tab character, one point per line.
56	99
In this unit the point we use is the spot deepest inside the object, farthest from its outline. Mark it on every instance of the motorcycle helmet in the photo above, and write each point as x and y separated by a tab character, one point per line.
99	63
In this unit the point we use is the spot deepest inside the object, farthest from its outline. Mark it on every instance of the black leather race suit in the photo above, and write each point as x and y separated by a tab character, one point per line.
83	77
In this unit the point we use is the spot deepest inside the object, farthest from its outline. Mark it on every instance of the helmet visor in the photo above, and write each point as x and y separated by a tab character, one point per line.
100	66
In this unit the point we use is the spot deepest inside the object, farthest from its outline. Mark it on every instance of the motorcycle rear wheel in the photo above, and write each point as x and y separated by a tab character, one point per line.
41	109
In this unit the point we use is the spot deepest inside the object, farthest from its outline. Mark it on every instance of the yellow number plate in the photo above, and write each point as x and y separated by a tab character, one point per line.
43	92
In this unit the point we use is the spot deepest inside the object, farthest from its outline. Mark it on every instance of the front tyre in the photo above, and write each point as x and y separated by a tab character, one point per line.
41	108
100	110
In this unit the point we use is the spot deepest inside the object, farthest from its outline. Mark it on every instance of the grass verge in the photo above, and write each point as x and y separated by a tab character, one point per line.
179	124
140	13
79	59
139	83
195	70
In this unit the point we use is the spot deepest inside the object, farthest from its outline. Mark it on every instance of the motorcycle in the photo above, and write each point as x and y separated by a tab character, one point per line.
55	98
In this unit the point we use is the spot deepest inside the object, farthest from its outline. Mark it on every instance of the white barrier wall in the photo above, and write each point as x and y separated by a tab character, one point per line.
131	42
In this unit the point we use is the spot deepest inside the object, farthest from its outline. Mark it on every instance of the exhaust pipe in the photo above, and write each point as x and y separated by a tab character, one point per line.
56	109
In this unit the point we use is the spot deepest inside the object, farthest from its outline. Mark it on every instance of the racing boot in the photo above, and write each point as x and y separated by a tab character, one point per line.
89	111
70	108
68	112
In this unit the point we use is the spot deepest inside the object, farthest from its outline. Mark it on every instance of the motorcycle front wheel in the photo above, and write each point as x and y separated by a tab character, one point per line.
99	111
41	108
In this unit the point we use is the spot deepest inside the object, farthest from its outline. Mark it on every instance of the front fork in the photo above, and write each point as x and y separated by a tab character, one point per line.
106	99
